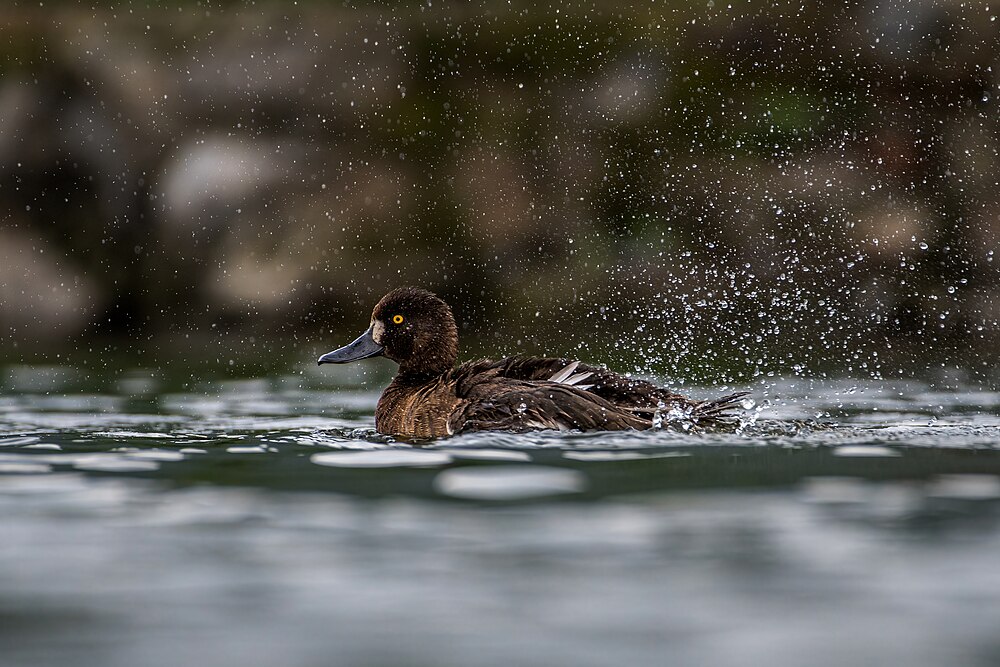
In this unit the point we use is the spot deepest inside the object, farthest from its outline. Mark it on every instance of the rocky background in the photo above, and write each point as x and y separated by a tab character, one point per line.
704	189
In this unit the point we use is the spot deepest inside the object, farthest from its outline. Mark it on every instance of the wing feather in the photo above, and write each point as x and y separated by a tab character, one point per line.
521	406
552	393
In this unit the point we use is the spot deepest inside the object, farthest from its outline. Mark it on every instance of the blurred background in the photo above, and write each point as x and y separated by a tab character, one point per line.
712	190
801	199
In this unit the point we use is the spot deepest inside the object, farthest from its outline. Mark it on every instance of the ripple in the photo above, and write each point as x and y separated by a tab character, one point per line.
111	463
622	456
382	458
865	451
509	482
144	435
155	455
19	441
24	468
489	455
834	490
966	487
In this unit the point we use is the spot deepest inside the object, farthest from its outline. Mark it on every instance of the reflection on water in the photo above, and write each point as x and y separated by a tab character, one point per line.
264	522
509	482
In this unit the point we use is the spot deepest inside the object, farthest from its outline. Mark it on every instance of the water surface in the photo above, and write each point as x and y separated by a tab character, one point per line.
235	522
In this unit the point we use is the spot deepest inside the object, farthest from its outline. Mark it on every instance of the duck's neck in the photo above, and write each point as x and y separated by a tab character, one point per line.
421	367
410	376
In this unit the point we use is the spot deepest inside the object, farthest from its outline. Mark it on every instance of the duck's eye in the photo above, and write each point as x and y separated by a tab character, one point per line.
397	319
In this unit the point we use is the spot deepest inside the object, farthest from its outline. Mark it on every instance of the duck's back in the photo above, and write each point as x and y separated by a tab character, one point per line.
522	393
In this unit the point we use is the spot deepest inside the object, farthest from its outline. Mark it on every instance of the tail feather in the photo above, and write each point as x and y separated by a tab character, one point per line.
717	408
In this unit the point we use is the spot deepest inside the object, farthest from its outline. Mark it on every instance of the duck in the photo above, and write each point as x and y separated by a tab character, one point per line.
431	397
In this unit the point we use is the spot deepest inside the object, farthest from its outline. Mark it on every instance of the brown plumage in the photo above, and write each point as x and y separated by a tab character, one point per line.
430	397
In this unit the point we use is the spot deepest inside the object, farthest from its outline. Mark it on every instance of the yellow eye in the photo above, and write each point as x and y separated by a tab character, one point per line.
397	319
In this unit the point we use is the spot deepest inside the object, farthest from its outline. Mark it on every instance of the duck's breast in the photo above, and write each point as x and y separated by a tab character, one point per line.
418	411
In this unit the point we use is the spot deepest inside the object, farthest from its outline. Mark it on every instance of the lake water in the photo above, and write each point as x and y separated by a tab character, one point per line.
263	522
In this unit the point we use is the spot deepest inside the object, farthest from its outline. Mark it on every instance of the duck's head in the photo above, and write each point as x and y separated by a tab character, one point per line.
411	326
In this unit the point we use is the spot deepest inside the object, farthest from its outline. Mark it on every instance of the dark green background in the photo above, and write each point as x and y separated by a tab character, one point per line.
706	190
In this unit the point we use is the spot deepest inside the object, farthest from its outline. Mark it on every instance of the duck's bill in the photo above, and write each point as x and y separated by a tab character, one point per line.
362	348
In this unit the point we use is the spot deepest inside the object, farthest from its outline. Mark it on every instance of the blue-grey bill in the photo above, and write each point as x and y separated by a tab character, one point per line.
362	348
